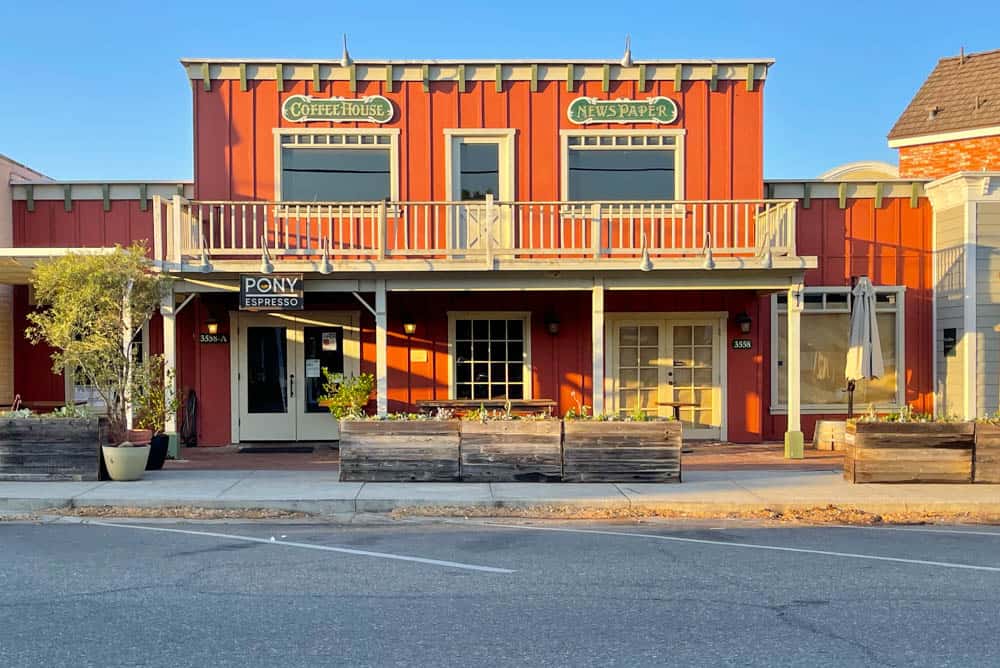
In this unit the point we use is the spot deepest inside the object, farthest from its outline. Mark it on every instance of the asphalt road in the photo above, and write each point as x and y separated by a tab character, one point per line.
469	594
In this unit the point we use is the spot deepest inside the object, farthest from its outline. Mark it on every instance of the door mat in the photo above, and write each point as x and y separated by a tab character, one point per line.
275	449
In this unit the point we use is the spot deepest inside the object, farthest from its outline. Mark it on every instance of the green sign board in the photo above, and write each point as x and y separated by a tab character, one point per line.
584	110
371	109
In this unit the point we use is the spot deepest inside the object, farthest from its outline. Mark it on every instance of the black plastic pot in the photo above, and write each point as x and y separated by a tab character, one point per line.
157	452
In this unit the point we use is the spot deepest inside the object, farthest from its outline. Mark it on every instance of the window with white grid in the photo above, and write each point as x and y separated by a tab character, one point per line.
490	357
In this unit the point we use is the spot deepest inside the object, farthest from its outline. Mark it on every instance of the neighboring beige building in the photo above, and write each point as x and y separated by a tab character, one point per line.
10	172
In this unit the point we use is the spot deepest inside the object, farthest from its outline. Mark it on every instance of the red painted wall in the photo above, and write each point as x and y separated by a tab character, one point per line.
234	142
87	225
892	246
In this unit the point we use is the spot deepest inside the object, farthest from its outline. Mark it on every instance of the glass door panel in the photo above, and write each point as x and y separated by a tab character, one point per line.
638	369
694	378
265	379
323	348
267	370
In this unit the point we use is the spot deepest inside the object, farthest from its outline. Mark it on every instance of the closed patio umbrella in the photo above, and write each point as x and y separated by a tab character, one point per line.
864	353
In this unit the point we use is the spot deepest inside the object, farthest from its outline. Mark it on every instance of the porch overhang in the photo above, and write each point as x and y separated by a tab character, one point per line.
16	264
765	280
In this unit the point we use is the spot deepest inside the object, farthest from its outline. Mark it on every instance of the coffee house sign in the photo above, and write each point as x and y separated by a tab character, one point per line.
586	110
271	292
304	108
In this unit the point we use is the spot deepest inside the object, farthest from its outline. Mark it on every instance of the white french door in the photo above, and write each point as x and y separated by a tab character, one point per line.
659	360
279	379
481	167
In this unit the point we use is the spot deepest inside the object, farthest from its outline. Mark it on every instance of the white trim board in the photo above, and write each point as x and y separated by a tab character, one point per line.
937	138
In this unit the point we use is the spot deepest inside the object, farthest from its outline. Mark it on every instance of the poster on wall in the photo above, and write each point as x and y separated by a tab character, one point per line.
312	368
329	342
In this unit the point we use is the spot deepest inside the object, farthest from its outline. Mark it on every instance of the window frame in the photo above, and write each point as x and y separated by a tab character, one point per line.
392	146
781	408
678	135
524	316
507	162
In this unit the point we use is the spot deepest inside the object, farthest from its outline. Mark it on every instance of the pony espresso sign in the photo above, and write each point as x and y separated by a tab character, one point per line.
586	110
304	108
271	292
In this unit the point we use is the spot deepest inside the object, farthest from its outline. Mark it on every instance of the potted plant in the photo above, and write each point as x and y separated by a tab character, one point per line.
498	446
152	405
632	447
89	306
908	447
391	448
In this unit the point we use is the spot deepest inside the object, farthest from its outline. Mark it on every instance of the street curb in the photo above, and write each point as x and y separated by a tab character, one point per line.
567	508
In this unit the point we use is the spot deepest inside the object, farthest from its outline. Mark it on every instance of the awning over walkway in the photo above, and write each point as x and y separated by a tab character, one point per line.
16	264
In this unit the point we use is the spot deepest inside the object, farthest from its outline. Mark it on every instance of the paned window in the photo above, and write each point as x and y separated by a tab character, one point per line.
825	333
337	167
490	358
621	167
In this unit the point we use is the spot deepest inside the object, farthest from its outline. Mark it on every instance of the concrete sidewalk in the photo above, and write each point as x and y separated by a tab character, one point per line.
319	492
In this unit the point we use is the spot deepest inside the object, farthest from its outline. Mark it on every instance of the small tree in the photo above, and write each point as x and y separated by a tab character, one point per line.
89	305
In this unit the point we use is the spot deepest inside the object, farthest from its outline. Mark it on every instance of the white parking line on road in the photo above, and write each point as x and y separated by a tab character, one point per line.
752	546
959	532
309	546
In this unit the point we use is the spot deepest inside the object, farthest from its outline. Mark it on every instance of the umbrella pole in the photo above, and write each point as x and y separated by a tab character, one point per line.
850	399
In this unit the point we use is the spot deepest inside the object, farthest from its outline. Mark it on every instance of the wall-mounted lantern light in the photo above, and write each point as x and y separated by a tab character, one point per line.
409	326
744	322
212	326
552	324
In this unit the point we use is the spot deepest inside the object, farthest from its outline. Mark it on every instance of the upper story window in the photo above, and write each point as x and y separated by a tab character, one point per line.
337	165
617	165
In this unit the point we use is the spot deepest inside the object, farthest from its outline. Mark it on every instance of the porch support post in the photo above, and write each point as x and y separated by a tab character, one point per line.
793	436
597	337
168	310
381	351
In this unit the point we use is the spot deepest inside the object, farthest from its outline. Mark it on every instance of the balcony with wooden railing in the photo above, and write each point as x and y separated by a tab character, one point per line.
195	235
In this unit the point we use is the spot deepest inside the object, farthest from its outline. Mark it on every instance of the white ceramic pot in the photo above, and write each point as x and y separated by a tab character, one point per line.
125	463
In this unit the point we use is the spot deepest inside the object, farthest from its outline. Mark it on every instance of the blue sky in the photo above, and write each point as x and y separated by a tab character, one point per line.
93	90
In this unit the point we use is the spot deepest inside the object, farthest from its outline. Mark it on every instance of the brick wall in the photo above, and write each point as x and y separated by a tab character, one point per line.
933	161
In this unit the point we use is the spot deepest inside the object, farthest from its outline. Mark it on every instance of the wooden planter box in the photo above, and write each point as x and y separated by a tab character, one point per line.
389	451
50	448
511	451
908	452
986	463
621	451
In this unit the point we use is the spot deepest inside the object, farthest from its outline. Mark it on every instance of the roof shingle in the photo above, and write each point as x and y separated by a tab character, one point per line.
960	94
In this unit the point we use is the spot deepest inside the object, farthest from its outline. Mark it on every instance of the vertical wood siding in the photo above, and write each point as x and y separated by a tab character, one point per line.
234	139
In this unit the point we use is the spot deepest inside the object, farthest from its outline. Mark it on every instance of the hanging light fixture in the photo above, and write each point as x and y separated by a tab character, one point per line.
266	267
645	264
744	322
326	267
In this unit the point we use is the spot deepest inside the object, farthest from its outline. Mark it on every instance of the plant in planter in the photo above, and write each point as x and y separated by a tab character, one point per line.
633	446
153	405
347	397
89	305
907	446
498	446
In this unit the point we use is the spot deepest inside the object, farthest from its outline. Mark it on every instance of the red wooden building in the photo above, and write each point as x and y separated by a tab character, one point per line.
596	233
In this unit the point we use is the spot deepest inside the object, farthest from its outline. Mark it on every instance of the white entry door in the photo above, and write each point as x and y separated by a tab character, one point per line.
279	376
480	169
656	361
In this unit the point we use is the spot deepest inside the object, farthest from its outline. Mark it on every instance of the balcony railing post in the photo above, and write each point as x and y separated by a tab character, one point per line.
595	229
178	235
487	230
381	230
158	229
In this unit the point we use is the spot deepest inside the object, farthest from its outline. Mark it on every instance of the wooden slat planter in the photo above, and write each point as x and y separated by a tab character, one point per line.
908	452
49	449
511	450
986	467
621	451
388	451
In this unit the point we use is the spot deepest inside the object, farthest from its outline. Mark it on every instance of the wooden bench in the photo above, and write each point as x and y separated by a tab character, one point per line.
464	406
